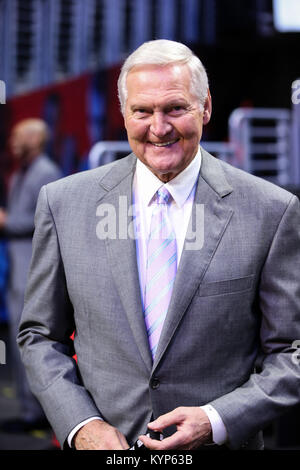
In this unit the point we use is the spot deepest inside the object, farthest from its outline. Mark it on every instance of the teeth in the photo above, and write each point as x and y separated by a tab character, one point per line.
163	144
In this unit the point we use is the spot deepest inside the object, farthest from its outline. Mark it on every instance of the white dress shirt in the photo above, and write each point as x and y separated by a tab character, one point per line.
182	189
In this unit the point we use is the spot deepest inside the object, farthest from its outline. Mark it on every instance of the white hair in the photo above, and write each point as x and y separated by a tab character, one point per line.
165	52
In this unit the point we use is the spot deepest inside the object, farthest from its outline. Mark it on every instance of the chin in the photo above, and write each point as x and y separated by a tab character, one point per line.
164	162
166	173
163	169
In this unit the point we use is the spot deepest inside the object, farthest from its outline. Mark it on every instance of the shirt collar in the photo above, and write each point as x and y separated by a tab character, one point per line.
179	187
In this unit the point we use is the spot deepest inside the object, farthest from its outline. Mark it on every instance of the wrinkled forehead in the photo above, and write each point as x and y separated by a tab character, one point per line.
146	72
157	82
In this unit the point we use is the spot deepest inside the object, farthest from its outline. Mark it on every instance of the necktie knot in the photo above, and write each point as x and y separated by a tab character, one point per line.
163	196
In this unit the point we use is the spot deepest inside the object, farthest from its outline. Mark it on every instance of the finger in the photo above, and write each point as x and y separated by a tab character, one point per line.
168	419
151	444
176	441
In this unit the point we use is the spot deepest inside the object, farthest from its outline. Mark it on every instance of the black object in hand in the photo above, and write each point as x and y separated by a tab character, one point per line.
138	445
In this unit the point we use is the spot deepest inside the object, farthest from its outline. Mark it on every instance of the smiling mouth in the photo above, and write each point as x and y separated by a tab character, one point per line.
164	144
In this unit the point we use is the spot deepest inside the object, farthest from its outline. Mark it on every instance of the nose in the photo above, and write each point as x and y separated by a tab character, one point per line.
160	126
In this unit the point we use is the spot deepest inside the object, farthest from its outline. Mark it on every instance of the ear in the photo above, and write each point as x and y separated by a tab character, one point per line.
207	108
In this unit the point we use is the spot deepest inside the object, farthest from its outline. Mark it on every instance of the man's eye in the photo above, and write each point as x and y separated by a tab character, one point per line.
176	109
141	111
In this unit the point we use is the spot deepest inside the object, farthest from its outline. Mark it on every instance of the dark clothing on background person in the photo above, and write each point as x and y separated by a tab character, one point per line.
19	226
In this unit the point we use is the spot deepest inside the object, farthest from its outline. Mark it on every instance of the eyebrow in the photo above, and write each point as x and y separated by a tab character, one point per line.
177	102
138	105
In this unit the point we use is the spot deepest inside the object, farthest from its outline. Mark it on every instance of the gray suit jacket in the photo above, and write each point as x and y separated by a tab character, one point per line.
19	226
227	338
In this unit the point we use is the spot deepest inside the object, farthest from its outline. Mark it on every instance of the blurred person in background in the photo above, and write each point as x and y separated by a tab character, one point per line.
27	143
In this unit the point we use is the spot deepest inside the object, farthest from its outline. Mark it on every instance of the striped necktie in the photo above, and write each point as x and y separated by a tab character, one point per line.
161	268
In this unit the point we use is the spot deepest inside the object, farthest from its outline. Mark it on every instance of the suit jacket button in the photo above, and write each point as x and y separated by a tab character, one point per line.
154	384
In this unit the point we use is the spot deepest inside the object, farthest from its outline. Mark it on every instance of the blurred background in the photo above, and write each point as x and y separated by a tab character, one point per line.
60	60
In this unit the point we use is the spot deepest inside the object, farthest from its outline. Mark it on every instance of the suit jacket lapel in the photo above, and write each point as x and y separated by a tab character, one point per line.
212	187
117	186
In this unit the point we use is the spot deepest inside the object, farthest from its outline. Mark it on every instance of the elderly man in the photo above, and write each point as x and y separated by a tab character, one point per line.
35	169
185	324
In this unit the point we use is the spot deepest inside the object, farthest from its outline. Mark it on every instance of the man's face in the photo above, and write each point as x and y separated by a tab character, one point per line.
25	143
17	142
163	119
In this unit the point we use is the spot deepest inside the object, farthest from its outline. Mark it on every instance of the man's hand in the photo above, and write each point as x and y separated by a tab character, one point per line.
99	435
2	218
193	430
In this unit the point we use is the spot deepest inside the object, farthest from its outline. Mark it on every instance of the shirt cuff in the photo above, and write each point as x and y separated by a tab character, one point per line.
219	433
80	425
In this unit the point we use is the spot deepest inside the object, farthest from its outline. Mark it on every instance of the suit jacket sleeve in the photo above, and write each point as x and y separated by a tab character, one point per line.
274	386
45	329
